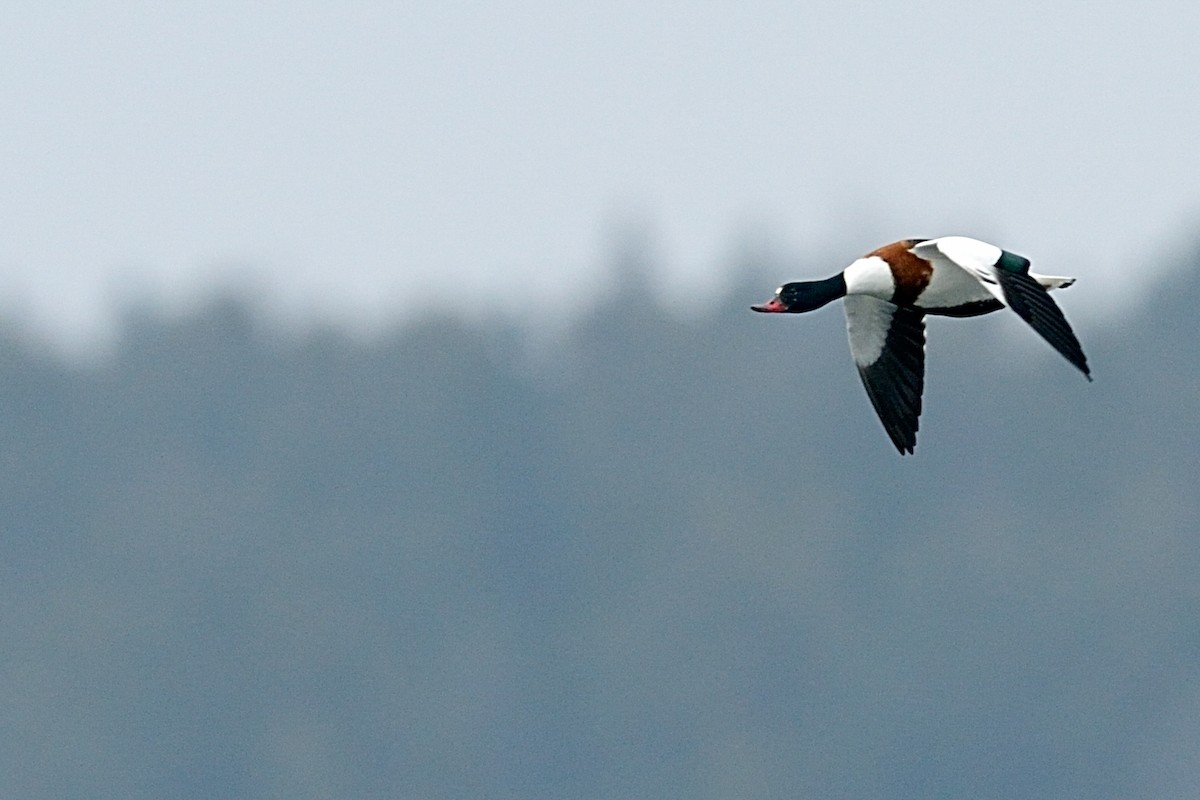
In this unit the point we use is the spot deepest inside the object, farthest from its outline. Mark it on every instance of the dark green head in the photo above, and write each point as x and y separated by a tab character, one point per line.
796	298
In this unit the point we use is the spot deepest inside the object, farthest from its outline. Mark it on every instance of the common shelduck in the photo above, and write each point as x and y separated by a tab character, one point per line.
889	291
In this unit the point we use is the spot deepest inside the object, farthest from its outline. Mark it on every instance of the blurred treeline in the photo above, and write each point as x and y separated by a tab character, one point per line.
668	554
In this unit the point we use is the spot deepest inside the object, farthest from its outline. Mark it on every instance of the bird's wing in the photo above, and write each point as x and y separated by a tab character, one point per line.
976	258
1007	278
888	346
1033	304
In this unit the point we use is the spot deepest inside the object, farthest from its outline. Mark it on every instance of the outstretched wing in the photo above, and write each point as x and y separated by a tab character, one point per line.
1006	277
1033	304
888	346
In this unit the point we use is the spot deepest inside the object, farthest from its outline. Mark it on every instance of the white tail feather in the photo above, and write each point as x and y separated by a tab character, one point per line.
1052	281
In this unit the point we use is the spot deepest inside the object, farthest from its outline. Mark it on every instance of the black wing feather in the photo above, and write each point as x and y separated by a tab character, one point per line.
896	380
1034	305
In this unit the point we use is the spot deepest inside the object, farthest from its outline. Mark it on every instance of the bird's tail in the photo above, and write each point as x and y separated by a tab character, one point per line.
1052	281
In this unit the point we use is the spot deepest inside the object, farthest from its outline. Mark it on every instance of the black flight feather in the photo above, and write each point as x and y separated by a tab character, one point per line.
896	380
1034	305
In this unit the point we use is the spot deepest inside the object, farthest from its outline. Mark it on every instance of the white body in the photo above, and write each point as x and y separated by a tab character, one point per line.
870	276
963	273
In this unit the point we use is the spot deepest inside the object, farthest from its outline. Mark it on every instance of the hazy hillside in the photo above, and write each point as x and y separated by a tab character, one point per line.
668	557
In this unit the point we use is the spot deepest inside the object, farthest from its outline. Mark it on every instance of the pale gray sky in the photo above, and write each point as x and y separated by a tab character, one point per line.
356	159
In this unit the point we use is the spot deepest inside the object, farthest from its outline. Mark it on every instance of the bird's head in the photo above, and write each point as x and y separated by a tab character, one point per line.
801	296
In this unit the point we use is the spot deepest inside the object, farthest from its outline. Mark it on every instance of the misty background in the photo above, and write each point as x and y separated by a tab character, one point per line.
384	416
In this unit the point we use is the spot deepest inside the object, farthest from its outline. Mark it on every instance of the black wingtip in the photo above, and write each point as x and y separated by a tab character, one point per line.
1033	304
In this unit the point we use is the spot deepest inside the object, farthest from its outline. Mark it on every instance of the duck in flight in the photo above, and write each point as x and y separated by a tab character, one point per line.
889	291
